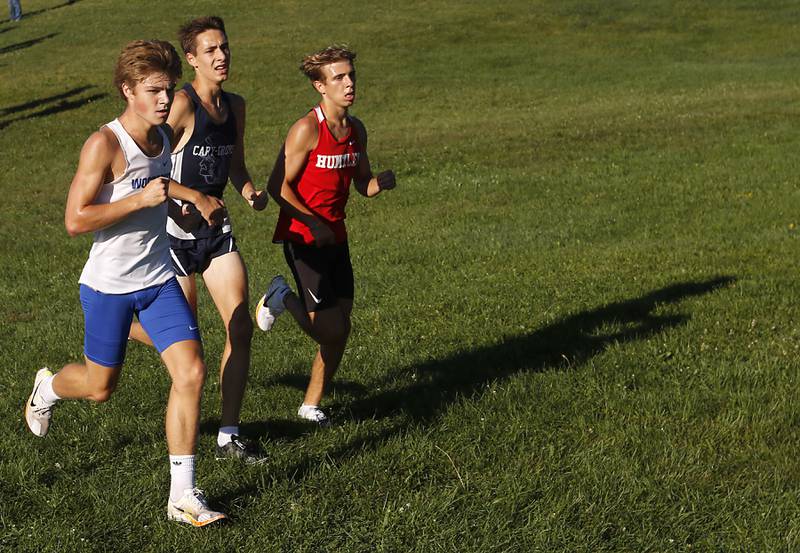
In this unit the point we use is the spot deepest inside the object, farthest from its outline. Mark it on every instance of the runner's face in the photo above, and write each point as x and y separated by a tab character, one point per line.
152	97
212	56
339	84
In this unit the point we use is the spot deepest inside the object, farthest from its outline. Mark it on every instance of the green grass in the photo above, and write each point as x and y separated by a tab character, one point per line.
575	326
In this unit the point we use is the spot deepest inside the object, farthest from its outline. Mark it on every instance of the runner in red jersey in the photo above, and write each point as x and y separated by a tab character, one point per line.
324	184
324	152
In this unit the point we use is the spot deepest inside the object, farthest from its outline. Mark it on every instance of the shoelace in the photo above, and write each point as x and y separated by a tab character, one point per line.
240	444
198	499
278	294
281	297
43	410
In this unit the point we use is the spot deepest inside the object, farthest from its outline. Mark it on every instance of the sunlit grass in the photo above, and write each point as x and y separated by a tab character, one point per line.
575	326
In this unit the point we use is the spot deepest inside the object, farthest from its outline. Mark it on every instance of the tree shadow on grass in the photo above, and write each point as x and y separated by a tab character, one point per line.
64	101
564	345
11	110
25	44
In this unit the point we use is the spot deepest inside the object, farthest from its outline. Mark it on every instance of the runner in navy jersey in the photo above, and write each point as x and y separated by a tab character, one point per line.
324	152
208	124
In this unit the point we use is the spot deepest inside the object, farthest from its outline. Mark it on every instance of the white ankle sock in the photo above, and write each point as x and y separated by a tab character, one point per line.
181	471
46	391
225	433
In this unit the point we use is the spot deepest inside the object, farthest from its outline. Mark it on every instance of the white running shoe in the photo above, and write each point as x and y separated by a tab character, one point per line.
314	414
271	304
192	509
37	412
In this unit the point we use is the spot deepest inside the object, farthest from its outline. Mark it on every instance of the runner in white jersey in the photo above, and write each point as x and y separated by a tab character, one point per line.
119	193
208	151
133	253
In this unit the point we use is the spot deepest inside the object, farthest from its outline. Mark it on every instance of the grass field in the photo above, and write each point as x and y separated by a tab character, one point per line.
575	324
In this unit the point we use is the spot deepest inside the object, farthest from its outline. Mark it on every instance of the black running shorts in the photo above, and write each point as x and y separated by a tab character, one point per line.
194	256
323	275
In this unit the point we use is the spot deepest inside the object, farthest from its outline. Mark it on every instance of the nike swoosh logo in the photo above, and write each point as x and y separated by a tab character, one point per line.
315	298
193	328
36	389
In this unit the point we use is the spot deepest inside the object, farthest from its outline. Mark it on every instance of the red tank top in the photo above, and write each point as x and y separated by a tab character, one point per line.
324	185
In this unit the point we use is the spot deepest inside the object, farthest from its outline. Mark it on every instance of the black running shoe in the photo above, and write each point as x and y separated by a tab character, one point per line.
239	448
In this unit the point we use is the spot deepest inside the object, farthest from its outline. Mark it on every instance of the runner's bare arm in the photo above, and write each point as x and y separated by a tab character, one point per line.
211	208
180	120
186	216
81	214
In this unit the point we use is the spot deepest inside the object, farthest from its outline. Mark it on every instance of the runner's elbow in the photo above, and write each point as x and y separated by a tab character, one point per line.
73	227
75	224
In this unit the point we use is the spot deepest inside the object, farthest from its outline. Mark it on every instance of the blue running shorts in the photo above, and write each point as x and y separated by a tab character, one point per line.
162	310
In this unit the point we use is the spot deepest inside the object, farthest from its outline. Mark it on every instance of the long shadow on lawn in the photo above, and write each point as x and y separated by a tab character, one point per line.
563	345
11	110
64	101
25	44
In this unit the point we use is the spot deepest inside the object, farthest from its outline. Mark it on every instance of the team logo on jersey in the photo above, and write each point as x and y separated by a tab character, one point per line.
204	151
338	161
211	167
141	182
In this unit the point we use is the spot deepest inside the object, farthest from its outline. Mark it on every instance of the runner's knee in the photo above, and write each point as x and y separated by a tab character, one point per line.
334	334
190	378
101	391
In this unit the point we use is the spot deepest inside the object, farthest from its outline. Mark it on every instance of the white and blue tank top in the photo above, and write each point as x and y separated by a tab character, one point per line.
133	253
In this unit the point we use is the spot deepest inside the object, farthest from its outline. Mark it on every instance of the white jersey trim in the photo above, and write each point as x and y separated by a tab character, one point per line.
178	263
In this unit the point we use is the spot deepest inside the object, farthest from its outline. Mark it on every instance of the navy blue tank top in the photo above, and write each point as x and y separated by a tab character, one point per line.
204	162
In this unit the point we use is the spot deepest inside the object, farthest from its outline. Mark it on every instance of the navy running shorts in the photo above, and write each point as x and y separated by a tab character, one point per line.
323	274
194	256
